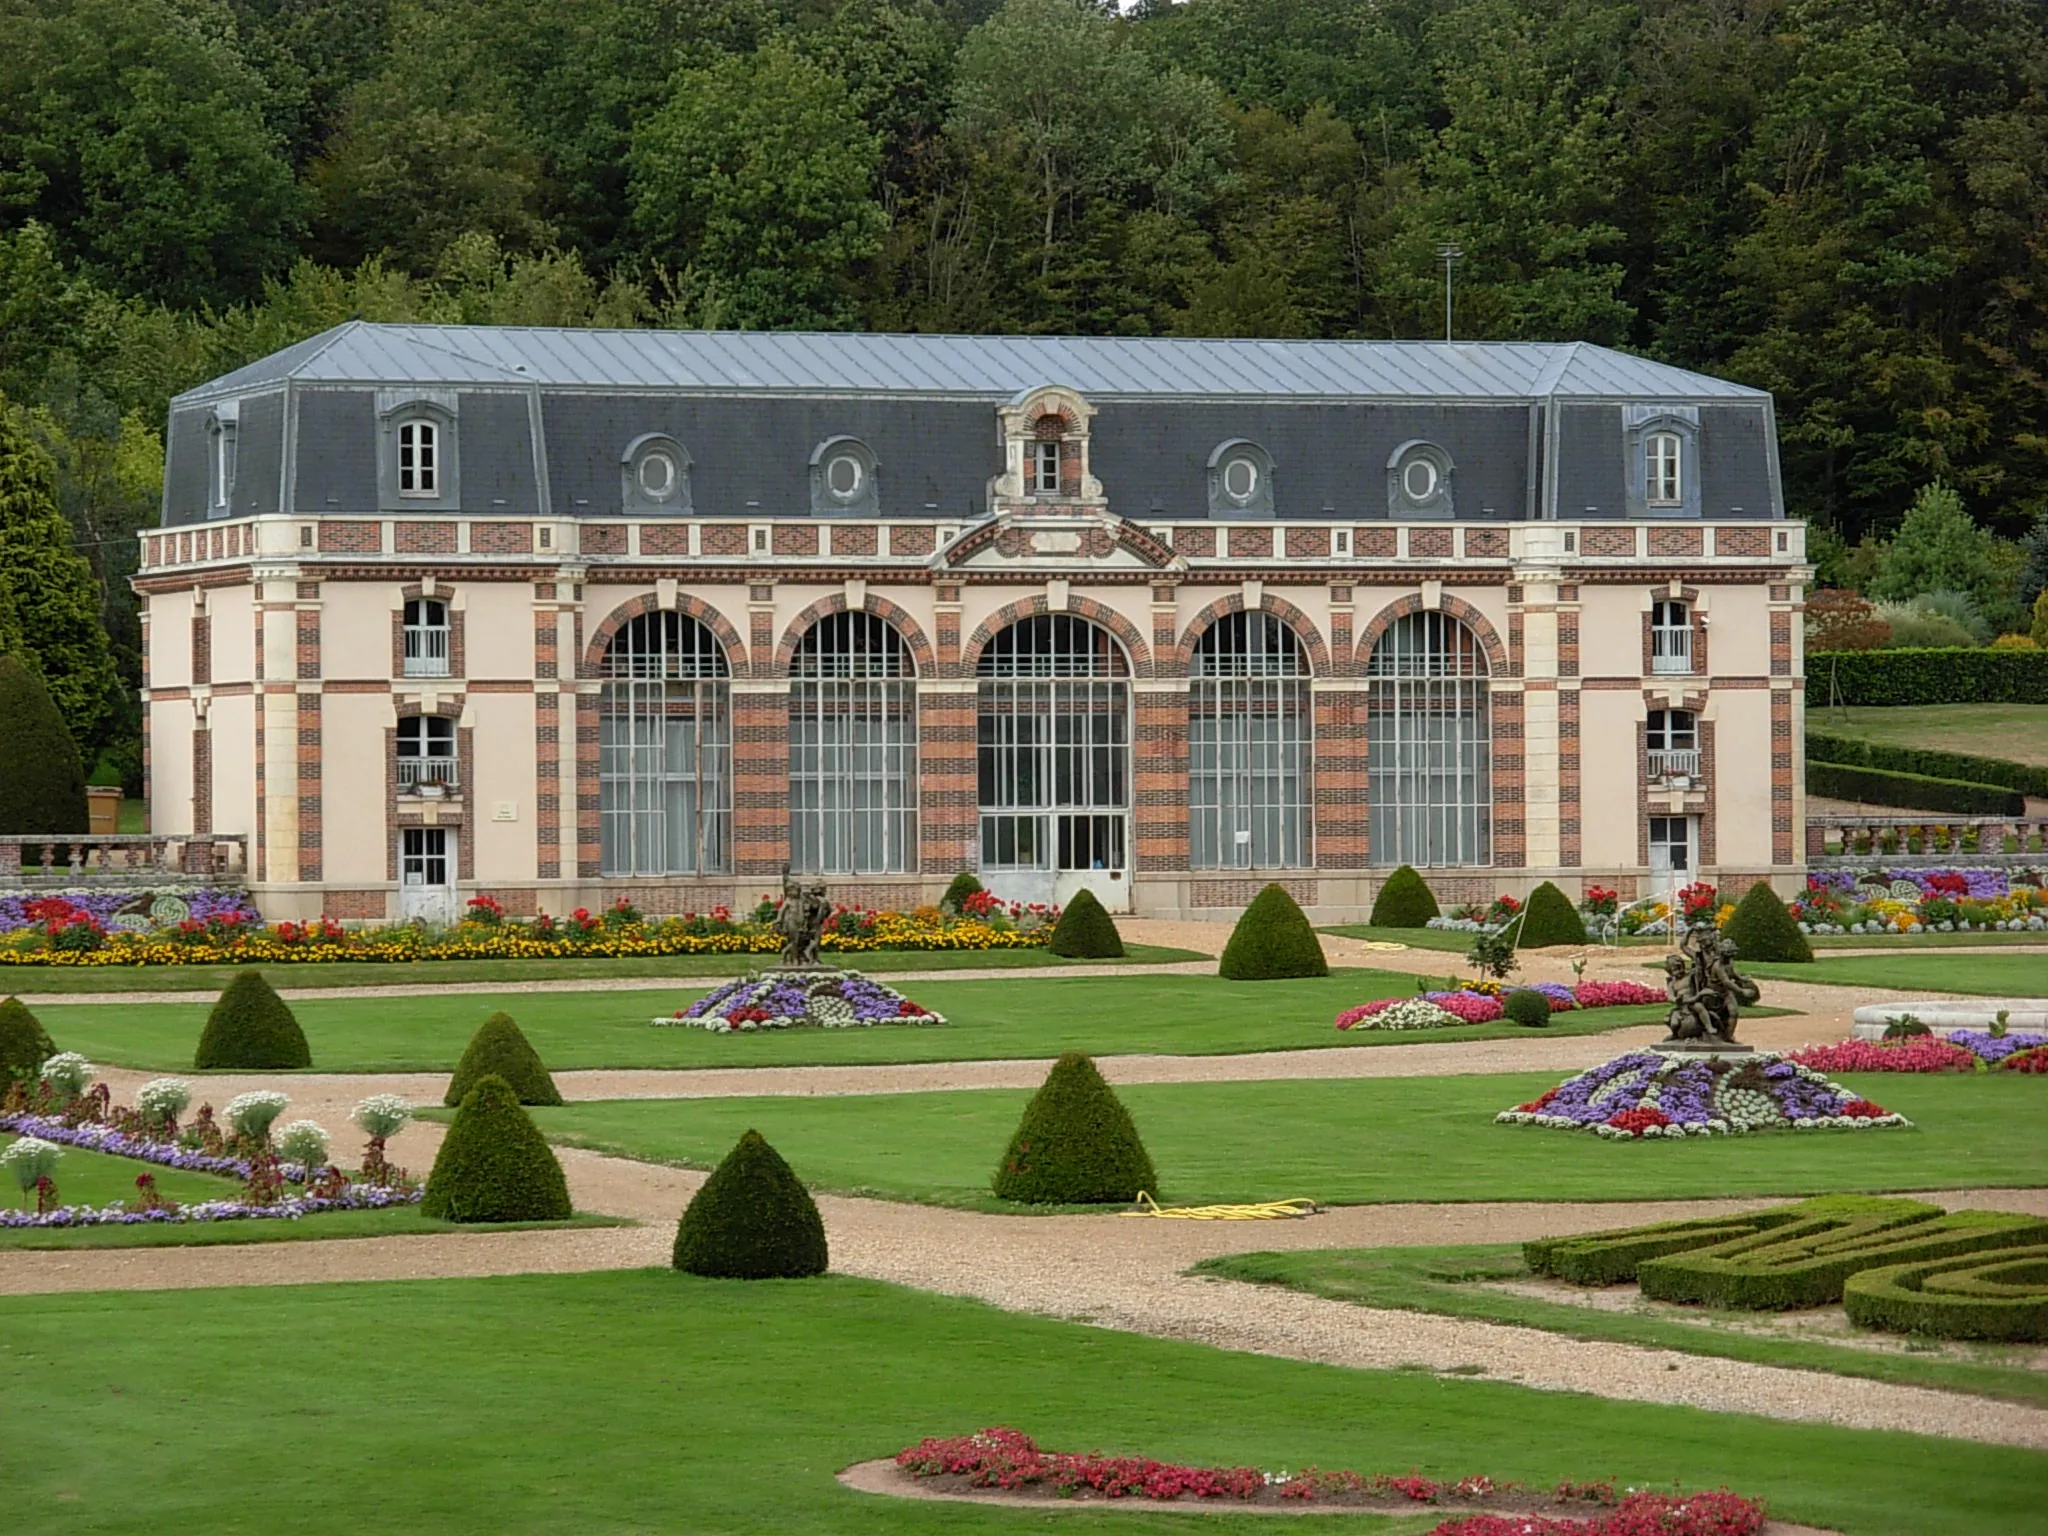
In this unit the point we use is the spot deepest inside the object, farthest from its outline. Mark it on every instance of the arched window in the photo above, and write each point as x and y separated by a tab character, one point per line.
419	461
664	732
426	637
853	749
1249	735
1664	469
1053	734
1428	744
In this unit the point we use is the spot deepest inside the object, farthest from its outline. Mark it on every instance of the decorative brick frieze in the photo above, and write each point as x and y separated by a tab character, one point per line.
1616	543
1381	543
717	541
338	537
602	538
1211	894
669	540
856	541
1195	543
436	538
1742	543
1308	543
1251	543
1429	543
913	542
1486	543
1667	543
796	539
501	538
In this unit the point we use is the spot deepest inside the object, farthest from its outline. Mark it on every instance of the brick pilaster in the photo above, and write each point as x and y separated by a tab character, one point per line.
948	821
1160	781
760	779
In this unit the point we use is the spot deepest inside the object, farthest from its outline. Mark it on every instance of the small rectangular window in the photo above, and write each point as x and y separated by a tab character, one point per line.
1045	469
223	465
1670	637
426	648
1672	744
1662	450
417	459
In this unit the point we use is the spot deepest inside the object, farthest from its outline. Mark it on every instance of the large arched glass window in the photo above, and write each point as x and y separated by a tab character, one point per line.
1428	744
1053	732
664	731
1249	734
853	749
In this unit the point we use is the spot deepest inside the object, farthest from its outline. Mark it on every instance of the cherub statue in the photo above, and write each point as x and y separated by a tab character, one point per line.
801	922
1689	1018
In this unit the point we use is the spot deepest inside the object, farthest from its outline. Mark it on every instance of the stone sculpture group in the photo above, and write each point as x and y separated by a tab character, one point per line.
1707	993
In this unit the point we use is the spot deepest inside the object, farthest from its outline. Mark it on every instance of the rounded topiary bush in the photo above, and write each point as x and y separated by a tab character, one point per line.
964	885
1405	901
752	1220
1527	1007
251	1029
1076	1144
24	1044
500	1049
1550	918
1763	928
494	1164
42	781
1086	931
1272	941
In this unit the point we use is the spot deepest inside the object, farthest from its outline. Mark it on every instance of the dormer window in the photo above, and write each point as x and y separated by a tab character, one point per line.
654	475
1419	481
1664	459
223	462
1240	480
419	459
1044	478
844	479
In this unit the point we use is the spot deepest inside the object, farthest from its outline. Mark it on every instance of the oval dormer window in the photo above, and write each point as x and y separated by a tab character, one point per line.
657	476
843	476
1419	479
1241	479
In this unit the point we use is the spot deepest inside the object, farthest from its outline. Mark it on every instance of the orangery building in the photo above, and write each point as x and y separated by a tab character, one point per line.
568	615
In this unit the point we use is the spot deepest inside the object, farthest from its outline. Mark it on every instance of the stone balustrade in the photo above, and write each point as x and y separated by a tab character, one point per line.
128	858
1985	841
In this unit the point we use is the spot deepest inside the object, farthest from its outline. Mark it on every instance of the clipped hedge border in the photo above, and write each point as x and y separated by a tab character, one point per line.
1943	675
1611	1257
1911	791
1959	1297
1854	752
1806	1262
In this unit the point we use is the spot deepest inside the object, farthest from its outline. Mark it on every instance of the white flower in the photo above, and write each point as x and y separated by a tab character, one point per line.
67	1072
31	1158
251	1114
163	1098
303	1142
382	1114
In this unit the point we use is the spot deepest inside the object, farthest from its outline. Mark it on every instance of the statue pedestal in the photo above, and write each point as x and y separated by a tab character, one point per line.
1704	1048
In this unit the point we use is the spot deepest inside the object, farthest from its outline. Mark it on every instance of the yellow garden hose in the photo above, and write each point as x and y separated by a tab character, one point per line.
1271	1210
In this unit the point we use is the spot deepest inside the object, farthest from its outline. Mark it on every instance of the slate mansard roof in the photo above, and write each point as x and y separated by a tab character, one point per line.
1534	429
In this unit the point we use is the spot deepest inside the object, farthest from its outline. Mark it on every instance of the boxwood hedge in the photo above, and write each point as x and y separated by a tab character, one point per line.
1912	791
1997	1295
1853	752
1947	675
1611	1257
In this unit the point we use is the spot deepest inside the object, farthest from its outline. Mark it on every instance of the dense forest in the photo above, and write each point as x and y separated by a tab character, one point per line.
1843	201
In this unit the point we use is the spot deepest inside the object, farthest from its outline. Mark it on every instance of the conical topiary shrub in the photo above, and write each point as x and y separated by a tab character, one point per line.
1086	931
1550	918
494	1164
964	885
42	781
1076	1144
500	1049
1272	941
752	1220
1763	928
24	1044
251	1029
1405	901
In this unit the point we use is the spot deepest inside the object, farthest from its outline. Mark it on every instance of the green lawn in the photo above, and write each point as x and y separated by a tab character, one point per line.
365	973
1106	1014
1984	975
1448	940
1349	1141
94	1178
642	1402
1905	943
2016	732
1447	1281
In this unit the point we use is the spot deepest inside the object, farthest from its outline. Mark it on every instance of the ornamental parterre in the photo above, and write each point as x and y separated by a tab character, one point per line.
1652	1093
800	1000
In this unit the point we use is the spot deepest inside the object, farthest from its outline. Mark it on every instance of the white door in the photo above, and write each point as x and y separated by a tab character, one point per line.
426	875
1092	854
1674	850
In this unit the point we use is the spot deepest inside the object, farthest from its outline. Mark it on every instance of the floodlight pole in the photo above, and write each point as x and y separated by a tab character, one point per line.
1451	255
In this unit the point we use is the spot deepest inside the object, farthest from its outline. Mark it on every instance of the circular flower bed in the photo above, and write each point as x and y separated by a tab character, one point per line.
800	1000
1655	1093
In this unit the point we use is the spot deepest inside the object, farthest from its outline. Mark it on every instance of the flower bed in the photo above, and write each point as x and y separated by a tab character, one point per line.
1994	1049
1923	901
1477	1003
78	939
1008	1460
1916	1053
1657	1094
841	1000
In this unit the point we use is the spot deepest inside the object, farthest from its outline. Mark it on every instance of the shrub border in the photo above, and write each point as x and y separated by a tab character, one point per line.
1891	1298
